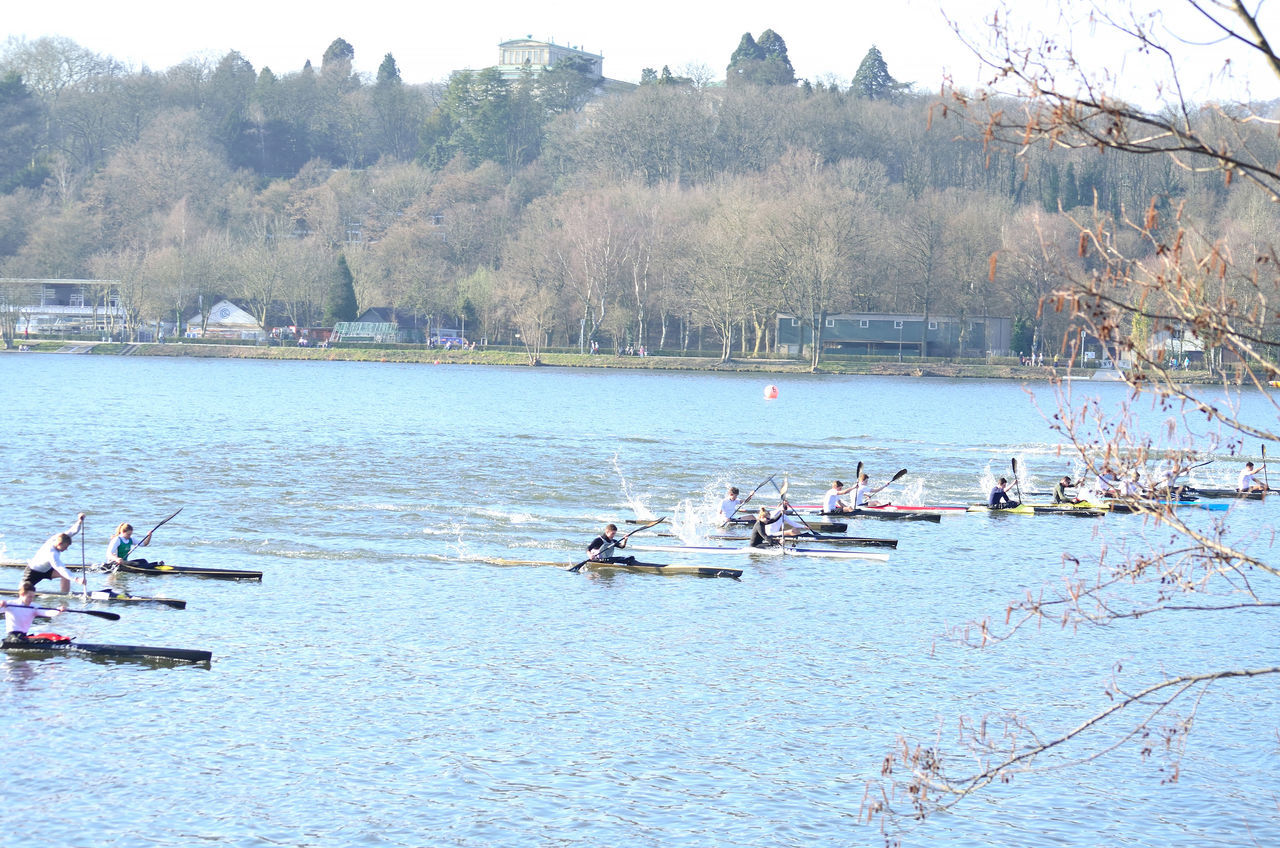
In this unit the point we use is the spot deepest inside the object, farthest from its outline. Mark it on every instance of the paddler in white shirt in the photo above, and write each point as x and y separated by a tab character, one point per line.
729	506
20	613
831	502
1249	481
862	491
48	560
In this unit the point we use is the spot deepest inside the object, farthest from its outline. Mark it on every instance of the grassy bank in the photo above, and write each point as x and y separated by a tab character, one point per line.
434	356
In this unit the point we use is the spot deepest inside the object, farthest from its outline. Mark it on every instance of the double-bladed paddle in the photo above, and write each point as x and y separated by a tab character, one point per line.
578	567
748	498
782	494
895	478
109	616
146	540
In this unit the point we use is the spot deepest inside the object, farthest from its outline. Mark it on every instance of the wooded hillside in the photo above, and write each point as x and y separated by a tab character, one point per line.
542	210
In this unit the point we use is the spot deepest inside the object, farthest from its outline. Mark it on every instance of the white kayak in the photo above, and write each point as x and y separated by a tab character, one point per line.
776	550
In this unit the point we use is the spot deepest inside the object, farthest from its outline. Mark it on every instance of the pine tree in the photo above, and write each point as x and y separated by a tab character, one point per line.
872	81
341	303
761	63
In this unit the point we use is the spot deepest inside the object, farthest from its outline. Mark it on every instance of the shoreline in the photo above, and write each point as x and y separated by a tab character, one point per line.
437	356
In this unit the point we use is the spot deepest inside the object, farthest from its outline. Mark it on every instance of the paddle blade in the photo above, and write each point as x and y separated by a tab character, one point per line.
898	476
857	473
109	616
641	527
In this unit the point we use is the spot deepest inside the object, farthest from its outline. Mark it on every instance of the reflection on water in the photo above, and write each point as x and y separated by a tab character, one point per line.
384	685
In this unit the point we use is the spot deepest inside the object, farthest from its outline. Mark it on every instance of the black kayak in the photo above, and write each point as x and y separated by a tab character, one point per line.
108	595
141	566
49	648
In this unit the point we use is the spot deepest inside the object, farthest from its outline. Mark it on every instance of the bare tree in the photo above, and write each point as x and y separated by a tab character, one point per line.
1160	268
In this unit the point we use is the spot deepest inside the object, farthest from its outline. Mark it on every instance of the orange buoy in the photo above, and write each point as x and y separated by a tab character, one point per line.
770	392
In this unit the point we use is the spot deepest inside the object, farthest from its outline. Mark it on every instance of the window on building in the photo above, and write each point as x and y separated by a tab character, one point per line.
897	325
864	323
76	300
933	325
795	322
831	322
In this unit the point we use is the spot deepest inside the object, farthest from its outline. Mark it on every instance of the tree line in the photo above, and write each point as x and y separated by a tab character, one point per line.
542	210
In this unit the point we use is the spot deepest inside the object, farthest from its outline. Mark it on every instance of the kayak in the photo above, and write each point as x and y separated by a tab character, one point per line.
1227	493
776	550
1077	510
52	647
635	567
1122	506
941	510
135	566
858	541
884	512
815	526
104	595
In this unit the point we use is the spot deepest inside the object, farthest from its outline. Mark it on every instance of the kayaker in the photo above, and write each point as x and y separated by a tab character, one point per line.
1060	495
122	544
999	498
602	547
1108	482
770	527
831	501
1249	481
729	506
48	560
19	615
862	491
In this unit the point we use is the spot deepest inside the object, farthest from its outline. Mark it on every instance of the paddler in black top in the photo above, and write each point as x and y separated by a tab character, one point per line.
1060	492
999	498
770	526
602	547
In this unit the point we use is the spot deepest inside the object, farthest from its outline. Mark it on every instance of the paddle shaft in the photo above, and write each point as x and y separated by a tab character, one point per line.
748	498
109	616
783	496
1013	463
146	540
578	567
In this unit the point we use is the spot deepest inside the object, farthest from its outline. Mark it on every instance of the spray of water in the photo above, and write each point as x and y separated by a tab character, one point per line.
631	499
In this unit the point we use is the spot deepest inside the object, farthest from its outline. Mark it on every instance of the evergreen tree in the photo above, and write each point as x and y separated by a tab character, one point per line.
872	81
341	303
648	76
760	63
337	58
388	73
20	132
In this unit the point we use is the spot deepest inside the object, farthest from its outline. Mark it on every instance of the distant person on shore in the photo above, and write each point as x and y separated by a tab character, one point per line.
48	560
1249	481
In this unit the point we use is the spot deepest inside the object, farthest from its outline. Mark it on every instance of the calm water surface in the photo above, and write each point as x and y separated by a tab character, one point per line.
385	685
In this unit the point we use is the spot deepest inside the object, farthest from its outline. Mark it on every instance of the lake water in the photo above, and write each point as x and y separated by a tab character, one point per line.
386	686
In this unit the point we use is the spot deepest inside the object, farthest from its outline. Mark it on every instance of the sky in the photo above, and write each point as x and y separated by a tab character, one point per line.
430	40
